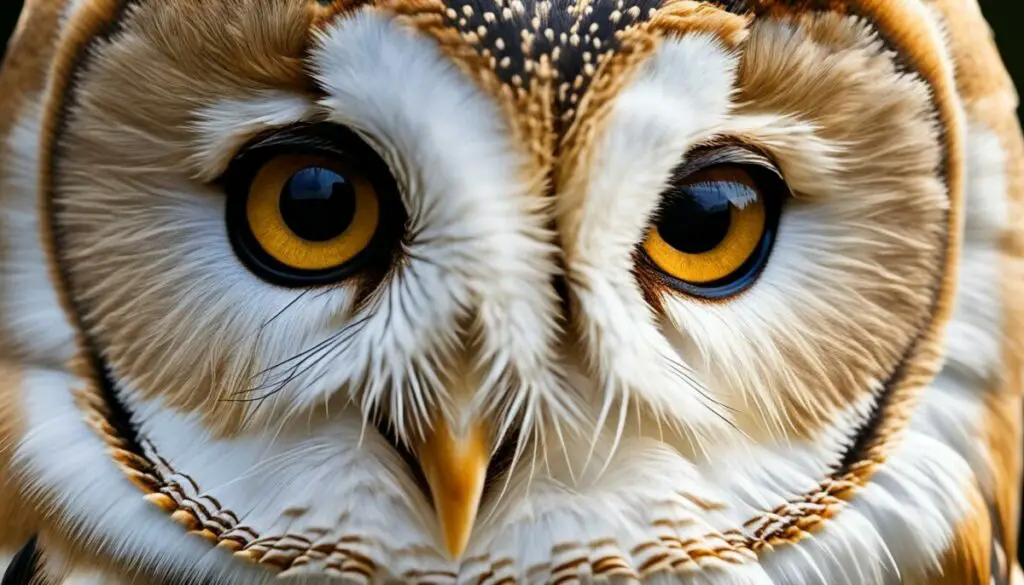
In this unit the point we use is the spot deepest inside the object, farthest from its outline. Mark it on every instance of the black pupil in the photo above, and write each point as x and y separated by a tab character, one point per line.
318	204
696	217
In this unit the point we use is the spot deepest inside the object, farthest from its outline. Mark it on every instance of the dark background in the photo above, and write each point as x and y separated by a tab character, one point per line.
1000	14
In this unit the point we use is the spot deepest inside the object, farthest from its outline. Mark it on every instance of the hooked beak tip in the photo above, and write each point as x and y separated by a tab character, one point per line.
455	466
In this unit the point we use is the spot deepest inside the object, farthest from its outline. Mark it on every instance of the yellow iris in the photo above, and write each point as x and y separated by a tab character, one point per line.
746	227
279	239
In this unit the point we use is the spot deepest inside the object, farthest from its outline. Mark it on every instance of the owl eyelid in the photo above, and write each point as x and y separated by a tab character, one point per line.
314	138
729	154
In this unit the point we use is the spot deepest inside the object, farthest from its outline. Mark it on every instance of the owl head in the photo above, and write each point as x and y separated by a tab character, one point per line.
510	292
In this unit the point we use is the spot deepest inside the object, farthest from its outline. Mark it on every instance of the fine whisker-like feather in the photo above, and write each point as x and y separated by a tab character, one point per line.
284	309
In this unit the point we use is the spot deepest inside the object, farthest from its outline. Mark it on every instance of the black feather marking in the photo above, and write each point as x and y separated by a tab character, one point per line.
25	565
562	41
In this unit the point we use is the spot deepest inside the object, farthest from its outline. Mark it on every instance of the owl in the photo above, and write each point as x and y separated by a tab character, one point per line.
509	292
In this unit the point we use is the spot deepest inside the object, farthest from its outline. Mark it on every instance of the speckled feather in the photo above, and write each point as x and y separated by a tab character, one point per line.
561	43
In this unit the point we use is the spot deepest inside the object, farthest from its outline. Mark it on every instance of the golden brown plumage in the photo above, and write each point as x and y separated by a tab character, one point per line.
506	382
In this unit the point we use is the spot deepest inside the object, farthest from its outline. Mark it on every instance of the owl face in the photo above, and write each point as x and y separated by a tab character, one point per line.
542	292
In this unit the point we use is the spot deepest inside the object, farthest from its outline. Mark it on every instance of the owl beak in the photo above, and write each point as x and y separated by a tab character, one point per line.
455	466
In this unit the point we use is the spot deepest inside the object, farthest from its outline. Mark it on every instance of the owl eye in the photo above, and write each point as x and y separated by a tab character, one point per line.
716	228
306	209
311	213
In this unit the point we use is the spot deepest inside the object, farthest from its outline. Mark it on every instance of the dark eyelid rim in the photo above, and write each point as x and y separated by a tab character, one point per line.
311	137
305	137
723	154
